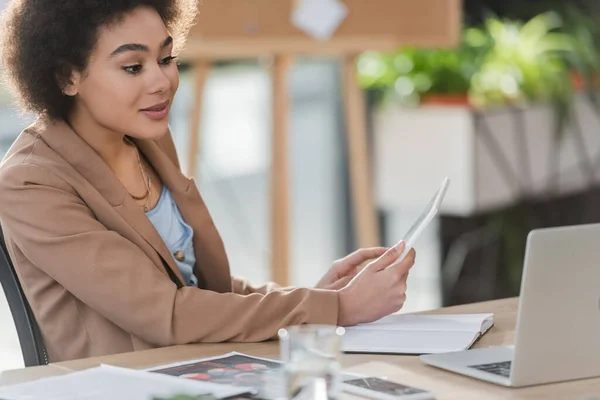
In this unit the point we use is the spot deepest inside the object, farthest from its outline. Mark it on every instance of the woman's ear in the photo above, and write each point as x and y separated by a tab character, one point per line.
68	80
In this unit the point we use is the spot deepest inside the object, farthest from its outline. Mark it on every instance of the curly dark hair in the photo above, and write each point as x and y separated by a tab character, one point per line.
42	40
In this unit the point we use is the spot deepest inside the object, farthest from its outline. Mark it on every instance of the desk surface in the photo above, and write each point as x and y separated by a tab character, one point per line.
404	369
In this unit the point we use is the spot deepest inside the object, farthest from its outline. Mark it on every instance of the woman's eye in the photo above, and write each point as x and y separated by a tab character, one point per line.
133	69
167	60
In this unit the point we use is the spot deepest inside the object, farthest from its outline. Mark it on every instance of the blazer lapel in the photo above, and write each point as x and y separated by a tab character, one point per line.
138	220
212	267
60	137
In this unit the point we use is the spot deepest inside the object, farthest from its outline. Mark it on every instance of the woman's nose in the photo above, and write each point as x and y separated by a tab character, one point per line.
158	80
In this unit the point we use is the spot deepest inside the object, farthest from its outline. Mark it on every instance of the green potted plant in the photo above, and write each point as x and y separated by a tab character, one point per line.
525	63
412	76
584	59
503	63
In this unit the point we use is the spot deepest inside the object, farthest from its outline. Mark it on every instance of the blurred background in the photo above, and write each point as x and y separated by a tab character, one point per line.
510	114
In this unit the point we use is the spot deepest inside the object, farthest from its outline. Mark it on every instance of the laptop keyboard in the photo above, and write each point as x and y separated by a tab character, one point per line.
501	368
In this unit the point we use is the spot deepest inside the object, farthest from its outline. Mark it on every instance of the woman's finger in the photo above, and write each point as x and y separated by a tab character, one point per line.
387	258
360	256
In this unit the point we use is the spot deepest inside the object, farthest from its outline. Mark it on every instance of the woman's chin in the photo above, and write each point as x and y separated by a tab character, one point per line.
152	130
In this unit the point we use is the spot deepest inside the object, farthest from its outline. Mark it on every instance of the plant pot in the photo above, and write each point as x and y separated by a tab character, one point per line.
414	149
439	99
579	83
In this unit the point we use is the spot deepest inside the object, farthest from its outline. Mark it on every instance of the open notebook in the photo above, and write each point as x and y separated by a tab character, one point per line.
417	334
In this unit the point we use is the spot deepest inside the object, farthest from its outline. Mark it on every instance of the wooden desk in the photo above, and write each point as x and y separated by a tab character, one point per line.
404	369
30	374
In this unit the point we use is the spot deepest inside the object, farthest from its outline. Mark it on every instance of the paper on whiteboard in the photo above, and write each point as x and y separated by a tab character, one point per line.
319	18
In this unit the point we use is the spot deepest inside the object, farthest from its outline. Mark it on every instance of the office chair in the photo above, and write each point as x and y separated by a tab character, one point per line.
30	337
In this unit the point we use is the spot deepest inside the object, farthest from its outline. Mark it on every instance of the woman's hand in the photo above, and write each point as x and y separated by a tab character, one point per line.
343	270
377	290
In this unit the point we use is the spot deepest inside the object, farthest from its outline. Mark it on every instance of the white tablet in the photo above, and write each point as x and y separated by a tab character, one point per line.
424	219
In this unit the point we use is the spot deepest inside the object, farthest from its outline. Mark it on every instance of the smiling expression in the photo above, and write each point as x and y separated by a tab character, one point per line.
131	77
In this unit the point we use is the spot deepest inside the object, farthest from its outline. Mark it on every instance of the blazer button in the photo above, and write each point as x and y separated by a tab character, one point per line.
179	255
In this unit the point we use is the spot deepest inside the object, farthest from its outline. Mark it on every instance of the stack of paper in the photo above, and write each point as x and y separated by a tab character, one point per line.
107	382
417	334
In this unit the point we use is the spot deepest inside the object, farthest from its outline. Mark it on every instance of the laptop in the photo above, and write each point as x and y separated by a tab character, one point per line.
557	336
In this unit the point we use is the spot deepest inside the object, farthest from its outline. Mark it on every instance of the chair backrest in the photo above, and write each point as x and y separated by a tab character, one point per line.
30	337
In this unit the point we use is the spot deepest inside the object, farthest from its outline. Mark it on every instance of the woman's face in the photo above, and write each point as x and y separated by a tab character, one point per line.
131	78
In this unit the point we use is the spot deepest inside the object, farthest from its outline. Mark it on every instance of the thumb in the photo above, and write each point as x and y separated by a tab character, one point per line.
389	257
352	262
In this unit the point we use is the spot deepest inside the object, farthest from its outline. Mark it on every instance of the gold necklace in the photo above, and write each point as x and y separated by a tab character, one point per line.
147	179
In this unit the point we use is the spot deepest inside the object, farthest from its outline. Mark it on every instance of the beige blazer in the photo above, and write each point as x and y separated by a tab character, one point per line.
98	276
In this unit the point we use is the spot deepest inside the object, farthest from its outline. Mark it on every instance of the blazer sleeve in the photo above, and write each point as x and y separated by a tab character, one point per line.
242	286
57	232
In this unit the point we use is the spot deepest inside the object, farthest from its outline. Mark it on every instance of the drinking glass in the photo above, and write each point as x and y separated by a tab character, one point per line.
311	356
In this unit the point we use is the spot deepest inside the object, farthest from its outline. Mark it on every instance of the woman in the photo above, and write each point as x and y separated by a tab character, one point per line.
114	247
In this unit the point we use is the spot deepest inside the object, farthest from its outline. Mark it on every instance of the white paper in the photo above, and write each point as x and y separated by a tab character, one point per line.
319	18
417	334
108	382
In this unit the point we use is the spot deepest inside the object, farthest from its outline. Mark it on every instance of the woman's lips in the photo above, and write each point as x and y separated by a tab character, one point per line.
157	112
